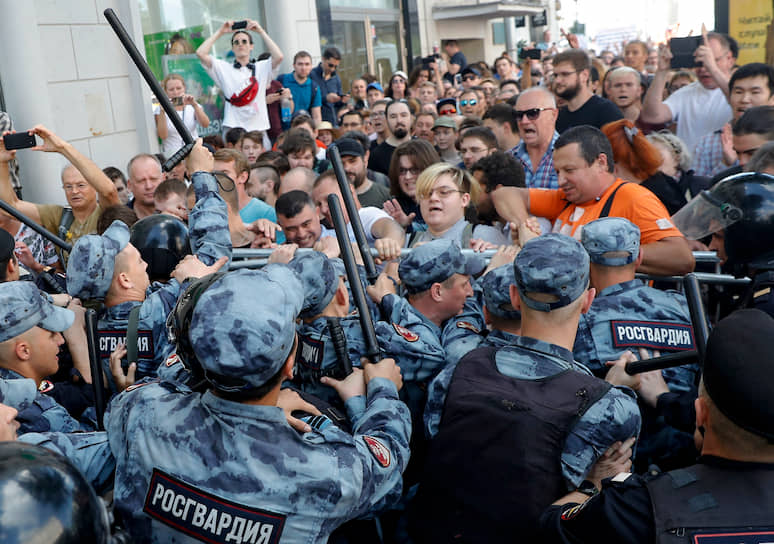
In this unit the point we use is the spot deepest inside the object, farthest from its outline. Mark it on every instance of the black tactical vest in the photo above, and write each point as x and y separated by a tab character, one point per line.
714	503
494	465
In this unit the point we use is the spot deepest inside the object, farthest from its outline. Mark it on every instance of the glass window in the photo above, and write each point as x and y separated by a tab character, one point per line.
365	4
173	29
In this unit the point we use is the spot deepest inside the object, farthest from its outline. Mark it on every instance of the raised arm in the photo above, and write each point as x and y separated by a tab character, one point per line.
511	203
203	51
274	50
108	195
654	110
6	187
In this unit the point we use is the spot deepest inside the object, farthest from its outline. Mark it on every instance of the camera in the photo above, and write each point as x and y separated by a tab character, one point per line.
177	101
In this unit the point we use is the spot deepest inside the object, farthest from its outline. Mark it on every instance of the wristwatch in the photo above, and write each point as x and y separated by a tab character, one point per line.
587	487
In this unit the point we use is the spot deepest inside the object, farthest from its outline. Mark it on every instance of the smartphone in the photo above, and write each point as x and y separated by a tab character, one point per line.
20	140
177	101
458	79
238	25
530	54
682	51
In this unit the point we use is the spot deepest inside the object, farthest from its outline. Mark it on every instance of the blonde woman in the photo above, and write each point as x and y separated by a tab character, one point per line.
190	111
444	192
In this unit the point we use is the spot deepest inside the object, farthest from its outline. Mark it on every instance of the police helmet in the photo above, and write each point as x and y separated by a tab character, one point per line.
162	240
743	205
44	498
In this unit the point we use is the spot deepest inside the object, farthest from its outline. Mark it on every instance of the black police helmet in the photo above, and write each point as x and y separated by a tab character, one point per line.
750	204
43	497
162	240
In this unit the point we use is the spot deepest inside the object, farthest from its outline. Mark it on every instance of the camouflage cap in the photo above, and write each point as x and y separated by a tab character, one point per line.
496	287
552	264
92	260
320	279
433	262
24	307
611	234
243	326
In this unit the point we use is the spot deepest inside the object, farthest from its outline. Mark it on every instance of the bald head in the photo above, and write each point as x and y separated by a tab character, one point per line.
298	179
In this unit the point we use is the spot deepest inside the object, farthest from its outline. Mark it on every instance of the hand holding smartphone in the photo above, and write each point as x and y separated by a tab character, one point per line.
20	140
682	51
238	25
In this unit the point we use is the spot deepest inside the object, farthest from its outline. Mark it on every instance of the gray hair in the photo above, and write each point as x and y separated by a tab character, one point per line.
675	145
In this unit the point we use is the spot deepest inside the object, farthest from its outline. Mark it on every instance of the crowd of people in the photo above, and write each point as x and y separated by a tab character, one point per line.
241	406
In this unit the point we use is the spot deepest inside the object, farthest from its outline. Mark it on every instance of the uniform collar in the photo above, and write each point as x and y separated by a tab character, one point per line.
620	287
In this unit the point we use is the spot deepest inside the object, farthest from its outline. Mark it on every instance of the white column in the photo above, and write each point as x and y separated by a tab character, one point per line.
27	100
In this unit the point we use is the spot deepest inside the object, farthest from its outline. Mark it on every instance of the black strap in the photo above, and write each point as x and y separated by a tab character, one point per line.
131	335
609	202
65	222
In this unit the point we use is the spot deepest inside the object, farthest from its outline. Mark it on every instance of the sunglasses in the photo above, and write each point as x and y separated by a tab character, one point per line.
469	77
240	42
448	110
471	102
532	113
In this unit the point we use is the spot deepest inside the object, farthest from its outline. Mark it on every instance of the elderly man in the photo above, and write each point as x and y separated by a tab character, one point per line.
145	175
588	189
82	181
700	107
536	119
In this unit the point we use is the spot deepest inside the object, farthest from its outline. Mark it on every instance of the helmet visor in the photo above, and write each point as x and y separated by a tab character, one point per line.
705	214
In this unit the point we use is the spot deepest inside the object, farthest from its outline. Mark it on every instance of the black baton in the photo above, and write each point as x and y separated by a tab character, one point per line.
354	217
96	368
366	323
53	238
161	96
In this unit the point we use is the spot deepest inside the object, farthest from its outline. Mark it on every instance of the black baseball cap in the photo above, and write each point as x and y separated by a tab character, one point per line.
737	370
349	147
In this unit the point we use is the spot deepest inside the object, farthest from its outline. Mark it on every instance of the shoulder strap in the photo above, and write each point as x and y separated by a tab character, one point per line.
65	222
314	95
609	202
131	334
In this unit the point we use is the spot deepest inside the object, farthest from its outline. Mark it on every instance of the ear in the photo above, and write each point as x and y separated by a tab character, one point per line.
638	260
342	295
465	199
123	281
22	350
242	178
11	268
513	291
700	405
590	294
602	161
436	292
290	362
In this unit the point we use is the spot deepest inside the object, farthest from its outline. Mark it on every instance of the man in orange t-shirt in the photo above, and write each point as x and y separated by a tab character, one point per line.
588	190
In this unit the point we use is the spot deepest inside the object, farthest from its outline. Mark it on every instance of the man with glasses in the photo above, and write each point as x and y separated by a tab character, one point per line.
702	106
243	82
572	72
471	104
536	119
471	77
82	181
329	83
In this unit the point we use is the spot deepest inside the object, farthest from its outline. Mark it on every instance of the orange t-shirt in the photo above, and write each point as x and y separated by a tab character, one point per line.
635	203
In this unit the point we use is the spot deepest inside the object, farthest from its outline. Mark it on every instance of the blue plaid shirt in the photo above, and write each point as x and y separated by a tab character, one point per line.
708	155
544	176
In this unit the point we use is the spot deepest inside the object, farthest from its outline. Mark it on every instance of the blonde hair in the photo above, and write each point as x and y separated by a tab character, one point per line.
459	177
171	77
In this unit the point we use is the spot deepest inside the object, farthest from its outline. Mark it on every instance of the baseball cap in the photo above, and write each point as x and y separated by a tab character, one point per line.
445	121
611	235
434	262
92	261
400	73
446	102
496	288
375	85
24	307
320	279
349	147
471	70
737	364
243	327
551	264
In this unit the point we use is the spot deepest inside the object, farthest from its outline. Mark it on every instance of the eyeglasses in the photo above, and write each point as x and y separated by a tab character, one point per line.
442	192
332	65
469	77
532	113
472	102
240	42
70	188
412	171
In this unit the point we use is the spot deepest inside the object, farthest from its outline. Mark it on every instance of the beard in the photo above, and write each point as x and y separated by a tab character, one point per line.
570	92
400	133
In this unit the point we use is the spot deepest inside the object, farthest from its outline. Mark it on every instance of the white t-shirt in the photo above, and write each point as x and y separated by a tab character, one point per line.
174	141
231	81
698	111
368	217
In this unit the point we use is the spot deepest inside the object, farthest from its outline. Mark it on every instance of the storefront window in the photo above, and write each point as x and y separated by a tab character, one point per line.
365	4
173	29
